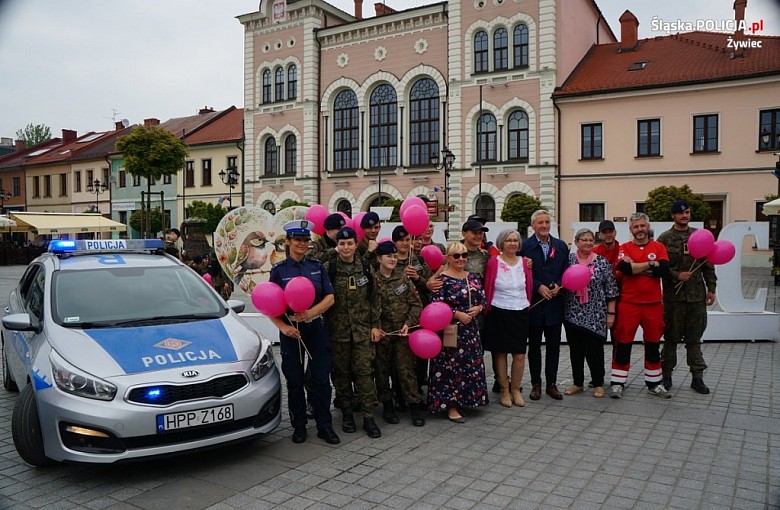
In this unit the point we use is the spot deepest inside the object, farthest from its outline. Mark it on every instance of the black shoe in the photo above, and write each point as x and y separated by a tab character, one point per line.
699	387
496	387
329	435
348	423
418	420
389	413
667	382
369	425
299	435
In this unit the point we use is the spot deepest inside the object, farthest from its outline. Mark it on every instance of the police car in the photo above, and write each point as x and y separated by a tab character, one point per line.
122	352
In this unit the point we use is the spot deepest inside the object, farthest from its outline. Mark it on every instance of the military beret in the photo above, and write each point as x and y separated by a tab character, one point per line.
399	232
334	221
369	220
346	233
385	248
680	206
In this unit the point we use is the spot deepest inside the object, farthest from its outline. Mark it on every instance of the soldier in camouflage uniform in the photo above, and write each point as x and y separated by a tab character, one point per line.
686	297
324	248
410	264
353	323
401	307
371	226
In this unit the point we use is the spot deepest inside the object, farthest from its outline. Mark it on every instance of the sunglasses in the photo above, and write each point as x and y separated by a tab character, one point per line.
456	256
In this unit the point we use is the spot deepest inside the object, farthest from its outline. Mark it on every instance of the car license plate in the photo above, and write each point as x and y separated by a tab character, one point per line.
194	418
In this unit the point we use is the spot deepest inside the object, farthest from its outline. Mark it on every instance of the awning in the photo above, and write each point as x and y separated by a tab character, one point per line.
65	223
772	208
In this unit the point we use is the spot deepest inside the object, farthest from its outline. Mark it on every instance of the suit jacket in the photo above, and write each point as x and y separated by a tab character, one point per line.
545	272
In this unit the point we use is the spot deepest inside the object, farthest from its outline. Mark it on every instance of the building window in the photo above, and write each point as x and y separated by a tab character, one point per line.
640	207
106	176
77	181
769	130
269	206
122	179
480	52
520	46
90	177
267	86
271	167
167	179
487	137
136	180
290	155
774	221
205	177
344	206
500	49
345	131
47	185
16	183
384	127
591	212
63	184
705	133
123	217
36	187
591	141
648	138
486	207
292	82
423	122
189	174
279	84
517	133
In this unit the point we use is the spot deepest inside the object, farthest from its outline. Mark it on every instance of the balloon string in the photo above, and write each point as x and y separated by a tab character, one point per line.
692	270
399	330
300	341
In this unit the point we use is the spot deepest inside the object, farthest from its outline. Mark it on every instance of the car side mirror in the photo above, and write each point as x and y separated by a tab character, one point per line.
19	322
236	305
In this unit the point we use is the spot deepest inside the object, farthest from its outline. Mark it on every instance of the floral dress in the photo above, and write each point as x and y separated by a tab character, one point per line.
457	374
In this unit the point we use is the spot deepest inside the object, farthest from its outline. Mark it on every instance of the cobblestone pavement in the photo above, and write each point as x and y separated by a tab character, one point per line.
691	452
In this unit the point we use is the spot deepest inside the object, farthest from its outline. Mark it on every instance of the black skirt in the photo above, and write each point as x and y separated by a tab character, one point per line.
506	331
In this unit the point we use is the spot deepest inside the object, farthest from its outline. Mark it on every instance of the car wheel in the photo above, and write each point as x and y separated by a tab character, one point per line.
8	383
26	430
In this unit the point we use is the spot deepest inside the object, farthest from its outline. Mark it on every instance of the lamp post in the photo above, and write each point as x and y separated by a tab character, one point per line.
4	195
447	161
230	177
97	188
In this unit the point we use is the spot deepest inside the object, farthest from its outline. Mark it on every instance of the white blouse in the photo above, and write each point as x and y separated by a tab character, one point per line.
509	293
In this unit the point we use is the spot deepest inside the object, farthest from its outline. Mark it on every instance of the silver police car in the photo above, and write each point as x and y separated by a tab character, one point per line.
122	352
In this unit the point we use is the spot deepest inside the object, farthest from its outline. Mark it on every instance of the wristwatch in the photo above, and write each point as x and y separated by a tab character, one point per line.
652	263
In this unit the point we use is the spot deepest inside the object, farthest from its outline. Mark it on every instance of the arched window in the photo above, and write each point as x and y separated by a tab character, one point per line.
292	81
344	206
423	122
267	86
378	200
486	207
271	160
480	52
520	46
487	132
290	155
517	131
384	127
269	206
345	131
500	49
279	84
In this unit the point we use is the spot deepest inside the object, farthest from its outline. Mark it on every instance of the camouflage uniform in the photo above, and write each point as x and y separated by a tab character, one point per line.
685	312
400	305
350	320
422	269
368	256
476	266
323	249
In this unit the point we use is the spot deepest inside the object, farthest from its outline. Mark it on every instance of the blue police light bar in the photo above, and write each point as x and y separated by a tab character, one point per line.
103	245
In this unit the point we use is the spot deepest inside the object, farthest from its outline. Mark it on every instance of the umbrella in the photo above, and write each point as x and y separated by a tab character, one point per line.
772	208
8	222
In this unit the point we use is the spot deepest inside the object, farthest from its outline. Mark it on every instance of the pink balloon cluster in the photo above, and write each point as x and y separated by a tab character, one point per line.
414	215
702	244
270	300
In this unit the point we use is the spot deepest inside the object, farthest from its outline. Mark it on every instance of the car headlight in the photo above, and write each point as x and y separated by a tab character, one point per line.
264	364
76	382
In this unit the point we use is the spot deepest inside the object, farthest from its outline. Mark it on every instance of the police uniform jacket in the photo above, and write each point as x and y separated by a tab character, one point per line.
703	280
545	272
314	270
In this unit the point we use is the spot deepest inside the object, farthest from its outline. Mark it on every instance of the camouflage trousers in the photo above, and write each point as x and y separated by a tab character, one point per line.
354	362
684	323
394	359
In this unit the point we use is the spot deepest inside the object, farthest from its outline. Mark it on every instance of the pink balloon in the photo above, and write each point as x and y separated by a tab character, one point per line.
347	220
433	256
700	243
268	299
317	214
424	343
576	277
409	202
356	225
722	252
207	277
382	240
299	293
436	316
416	220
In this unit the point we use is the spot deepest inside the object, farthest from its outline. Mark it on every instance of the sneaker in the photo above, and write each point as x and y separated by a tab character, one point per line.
616	391
659	391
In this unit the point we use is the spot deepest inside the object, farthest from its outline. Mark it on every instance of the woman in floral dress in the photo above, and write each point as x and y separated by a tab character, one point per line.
457	374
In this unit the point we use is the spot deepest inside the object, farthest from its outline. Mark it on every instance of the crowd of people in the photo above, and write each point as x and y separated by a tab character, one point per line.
504	301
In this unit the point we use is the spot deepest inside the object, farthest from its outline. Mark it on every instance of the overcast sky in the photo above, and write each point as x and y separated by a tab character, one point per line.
81	64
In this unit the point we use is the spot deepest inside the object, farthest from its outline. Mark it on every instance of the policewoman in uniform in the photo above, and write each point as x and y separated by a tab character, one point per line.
307	327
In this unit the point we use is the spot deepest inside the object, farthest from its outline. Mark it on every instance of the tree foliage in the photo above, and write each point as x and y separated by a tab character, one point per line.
660	200
138	217
151	151
518	209
290	202
34	134
212	213
396	205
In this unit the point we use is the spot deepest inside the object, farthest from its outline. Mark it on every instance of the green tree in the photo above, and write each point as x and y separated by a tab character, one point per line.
212	213
290	202
138	221
151	152
34	134
659	203
518	209
396	205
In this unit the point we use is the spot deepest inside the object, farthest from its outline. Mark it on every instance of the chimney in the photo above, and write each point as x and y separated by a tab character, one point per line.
20	145
359	9
68	135
382	9
205	109
151	122
739	34
118	125
629	26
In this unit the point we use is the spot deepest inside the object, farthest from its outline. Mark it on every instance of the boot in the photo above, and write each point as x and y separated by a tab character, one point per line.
417	410
699	387
517	397
506	398
388	414
517	378
348	422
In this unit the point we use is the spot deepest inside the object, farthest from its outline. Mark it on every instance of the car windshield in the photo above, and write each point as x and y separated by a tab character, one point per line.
108	297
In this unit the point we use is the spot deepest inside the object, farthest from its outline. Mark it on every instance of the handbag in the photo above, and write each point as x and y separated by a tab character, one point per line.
449	336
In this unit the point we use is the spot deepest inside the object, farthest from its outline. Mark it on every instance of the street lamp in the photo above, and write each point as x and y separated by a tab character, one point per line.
4	195
97	188
448	159
231	179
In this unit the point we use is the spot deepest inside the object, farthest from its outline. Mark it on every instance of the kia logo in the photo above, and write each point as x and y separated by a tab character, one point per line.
190	373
